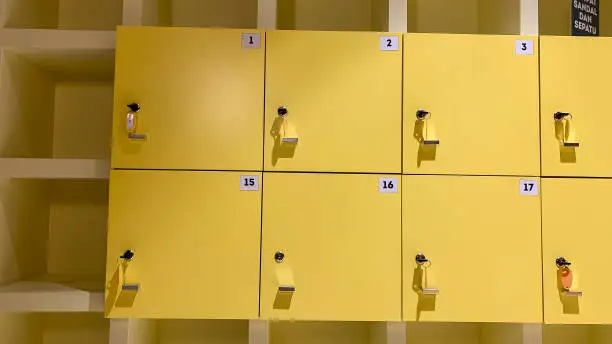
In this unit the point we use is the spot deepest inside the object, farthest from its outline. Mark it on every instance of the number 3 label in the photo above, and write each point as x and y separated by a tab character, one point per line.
528	187
523	47
387	185
249	183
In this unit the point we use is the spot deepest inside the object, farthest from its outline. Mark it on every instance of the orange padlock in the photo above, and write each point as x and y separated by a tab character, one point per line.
566	276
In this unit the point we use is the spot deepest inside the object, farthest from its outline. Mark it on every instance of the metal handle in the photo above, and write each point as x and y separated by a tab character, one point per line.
127	255
131	122
421	259
561	115
422	114
282	111
561	262
279	257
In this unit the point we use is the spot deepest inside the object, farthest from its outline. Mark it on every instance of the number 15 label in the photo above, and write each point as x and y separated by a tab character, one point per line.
528	187
387	185
249	183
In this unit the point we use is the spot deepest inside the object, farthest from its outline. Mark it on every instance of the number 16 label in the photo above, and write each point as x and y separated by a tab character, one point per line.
528	187
387	185
249	183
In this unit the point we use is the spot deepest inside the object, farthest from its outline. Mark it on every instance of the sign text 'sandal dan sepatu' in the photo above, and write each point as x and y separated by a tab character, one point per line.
585	17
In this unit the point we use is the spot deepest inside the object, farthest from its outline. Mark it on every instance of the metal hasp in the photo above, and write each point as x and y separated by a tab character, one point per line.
429	137
132	122
128	256
279	257
569	139
565	272
421	260
283	112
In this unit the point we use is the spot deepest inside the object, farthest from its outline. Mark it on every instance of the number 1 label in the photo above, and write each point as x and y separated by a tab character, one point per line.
249	183
387	185
251	41
528	187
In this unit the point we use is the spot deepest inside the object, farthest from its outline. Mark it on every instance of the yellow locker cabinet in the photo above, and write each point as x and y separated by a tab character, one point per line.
472	249
576	105
576	230
331	247
183	245
188	98
471	105
333	102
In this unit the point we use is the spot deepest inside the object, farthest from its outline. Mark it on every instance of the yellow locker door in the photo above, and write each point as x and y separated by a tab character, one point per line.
576	227
471	105
472	249
188	98
195	240
331	247
333	102
576	103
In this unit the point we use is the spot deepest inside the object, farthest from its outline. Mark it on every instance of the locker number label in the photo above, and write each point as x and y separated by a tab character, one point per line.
387	185
389	43
249	183
528	187
251	40
523	47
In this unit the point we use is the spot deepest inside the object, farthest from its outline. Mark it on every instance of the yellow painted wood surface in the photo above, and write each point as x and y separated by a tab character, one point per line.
483	242
582	93
205	110
483	100
343	96
575	219
341	240
196	241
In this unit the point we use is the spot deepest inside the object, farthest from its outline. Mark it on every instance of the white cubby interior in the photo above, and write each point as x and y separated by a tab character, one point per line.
62	14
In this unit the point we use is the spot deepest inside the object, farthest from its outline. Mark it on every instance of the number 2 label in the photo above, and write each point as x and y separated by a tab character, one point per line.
528	187
249	183
387	185
389	43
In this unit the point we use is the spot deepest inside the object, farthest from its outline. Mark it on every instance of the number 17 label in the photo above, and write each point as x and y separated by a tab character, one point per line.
528	187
